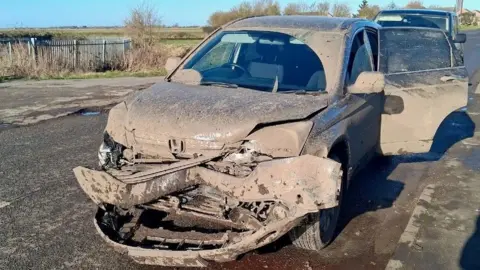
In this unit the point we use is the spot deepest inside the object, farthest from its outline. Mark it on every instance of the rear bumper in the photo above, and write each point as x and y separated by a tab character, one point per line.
301	185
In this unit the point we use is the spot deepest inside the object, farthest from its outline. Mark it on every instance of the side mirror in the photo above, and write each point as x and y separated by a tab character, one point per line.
368	83
460	38
172	63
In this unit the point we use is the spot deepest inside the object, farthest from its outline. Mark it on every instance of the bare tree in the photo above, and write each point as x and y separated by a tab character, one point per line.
266	7
245	9
323	8
141	24
341	10
391	5
415	4
468	18
438	7
367	11
303	8
299	8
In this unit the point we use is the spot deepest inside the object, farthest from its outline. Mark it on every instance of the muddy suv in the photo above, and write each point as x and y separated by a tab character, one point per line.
258	131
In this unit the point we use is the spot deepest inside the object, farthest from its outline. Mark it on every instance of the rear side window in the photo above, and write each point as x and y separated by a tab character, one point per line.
406	50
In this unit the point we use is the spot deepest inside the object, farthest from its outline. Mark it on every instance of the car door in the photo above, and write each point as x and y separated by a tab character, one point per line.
364	118
424	84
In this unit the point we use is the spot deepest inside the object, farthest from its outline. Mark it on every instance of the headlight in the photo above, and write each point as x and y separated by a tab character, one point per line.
103	154
110	152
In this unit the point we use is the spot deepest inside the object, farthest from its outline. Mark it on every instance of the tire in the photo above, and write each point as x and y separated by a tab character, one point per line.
318	230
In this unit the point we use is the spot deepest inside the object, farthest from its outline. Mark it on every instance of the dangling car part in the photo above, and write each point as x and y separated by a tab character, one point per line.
189	215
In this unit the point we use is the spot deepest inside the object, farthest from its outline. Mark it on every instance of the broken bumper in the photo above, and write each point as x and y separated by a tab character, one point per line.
299	186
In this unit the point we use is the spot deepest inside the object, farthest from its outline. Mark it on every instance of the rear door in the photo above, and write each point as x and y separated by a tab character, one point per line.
424	84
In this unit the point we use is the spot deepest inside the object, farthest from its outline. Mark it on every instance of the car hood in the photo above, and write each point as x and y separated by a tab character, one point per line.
207	113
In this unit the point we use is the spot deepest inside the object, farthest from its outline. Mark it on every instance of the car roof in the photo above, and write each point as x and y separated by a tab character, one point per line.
416	11
318	23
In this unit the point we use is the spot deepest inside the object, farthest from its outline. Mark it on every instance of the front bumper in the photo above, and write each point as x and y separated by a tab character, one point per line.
301	185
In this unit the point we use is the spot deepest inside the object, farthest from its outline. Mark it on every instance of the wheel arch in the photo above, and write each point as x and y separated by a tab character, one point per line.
341	149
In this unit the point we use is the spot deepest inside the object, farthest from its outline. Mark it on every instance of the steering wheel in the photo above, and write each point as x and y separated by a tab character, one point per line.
237	66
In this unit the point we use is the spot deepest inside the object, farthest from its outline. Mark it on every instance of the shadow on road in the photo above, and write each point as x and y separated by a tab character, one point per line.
456	127
471	251
370	192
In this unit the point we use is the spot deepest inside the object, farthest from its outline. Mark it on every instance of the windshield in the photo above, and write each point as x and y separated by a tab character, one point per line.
260	60
413	20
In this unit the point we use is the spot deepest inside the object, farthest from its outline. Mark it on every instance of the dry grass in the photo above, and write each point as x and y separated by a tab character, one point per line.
21	64
139	61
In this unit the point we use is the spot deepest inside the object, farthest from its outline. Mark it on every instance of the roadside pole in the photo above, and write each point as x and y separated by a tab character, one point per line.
10	51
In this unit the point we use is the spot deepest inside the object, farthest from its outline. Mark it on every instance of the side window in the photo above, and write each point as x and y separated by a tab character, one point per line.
360	58
406	50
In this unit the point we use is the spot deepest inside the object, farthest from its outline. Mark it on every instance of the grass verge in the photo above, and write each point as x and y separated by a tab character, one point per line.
469	27
92	75
179	42
93	32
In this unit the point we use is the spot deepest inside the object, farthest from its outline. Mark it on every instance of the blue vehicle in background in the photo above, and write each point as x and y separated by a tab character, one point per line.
445	20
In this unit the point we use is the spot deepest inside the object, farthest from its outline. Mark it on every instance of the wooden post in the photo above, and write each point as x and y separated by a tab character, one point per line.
75	54
104	52
34	51
10	51
124	49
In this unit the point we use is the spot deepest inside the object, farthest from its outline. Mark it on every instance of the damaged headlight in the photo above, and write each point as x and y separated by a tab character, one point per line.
110	152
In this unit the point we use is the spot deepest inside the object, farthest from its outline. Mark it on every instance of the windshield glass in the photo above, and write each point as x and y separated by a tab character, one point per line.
413	20
260	60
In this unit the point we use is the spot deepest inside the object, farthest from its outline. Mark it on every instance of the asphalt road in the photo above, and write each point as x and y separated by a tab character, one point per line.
472	51
46	220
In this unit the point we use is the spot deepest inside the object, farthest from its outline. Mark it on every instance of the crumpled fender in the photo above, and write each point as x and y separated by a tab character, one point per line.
307	182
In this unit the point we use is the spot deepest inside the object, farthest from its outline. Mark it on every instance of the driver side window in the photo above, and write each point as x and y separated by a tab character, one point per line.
361	59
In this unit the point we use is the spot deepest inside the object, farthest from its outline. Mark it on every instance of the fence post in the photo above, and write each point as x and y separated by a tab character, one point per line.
75	54
10	51
124	49
104	52
34	51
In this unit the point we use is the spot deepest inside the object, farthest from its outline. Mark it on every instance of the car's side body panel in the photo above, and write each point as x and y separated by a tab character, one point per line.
423	82
354	121
428	98
351	119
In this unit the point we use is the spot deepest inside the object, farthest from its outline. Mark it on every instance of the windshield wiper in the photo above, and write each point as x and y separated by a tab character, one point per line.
221	84
304	92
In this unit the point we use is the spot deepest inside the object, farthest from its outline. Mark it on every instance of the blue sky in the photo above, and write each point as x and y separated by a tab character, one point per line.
46	13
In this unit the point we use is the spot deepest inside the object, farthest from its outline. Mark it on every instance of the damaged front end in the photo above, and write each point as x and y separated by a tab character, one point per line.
188	211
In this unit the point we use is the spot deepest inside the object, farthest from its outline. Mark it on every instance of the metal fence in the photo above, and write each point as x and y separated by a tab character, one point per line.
72	54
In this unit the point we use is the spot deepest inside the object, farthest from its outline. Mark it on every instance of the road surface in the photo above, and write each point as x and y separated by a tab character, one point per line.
46	220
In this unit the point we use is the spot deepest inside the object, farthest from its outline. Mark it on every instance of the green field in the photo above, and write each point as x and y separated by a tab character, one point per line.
189	42
93	32
469	27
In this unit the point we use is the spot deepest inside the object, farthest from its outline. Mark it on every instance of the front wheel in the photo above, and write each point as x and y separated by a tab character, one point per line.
318	230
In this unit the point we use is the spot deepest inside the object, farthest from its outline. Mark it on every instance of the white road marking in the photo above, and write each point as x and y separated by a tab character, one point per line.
4	204
409	235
